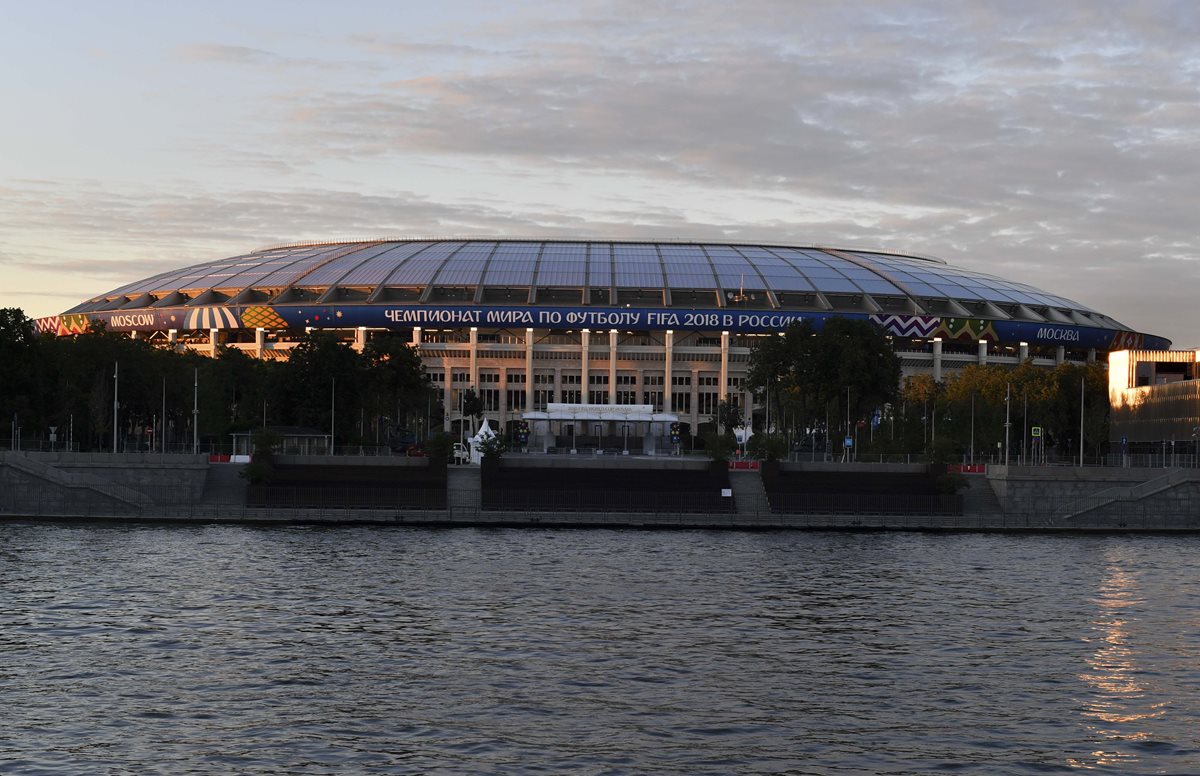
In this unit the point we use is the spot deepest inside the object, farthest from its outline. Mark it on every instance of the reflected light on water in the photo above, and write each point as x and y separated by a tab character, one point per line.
1120	699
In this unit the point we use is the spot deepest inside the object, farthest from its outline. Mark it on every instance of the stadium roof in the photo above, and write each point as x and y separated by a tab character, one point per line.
679	274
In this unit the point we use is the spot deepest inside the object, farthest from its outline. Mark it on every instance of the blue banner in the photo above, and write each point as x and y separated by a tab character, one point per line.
967	330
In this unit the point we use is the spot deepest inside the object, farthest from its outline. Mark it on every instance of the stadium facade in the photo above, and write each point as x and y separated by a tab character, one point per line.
532	323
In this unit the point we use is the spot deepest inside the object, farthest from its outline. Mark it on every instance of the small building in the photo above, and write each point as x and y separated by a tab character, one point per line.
1154	398
293	440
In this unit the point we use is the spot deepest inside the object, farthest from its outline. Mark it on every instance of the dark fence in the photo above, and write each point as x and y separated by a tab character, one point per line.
646	502
302	497
864	504
598	490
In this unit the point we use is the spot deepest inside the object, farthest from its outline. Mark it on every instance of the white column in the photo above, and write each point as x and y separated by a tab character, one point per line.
1060	354
1091	355
529	370
668	358
214	339
416	338
695	398
503	408
1023	352
612	366
360	339
585	342
135	335
723	388
982	358
173	338
474	355
937	359
260	341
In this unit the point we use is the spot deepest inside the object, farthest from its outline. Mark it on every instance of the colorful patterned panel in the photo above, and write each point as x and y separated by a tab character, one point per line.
78	323
968	329
1127	340
47	325
907	325
211	318
262	318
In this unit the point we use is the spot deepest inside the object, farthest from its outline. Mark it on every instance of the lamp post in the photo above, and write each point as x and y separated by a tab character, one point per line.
116	387
972	429
1082	382
195	411
1007	417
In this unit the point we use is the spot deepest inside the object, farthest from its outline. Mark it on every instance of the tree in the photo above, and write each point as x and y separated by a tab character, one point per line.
397	380
472	406
812	372
729	415
321	375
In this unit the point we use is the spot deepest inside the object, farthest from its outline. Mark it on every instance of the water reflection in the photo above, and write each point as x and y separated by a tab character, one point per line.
1121	698
325	651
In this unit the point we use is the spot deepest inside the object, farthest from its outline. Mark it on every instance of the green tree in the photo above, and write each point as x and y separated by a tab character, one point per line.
324	377
729	415
845	368
472	407
398	383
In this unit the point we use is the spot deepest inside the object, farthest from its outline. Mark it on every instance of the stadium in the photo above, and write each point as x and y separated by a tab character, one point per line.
662	329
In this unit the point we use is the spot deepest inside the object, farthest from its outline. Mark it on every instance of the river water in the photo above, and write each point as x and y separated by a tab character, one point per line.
224	649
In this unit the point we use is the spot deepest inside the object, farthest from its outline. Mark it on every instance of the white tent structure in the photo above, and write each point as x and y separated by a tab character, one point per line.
742	434
485	432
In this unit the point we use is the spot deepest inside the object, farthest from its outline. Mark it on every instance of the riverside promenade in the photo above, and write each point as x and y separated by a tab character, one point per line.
190	489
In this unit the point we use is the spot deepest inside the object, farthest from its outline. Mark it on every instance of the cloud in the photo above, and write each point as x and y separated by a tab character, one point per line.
229	55
1049	142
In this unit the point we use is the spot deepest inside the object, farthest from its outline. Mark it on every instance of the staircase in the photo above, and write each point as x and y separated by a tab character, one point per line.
463	497
73	480
750	498
979	499
1173	478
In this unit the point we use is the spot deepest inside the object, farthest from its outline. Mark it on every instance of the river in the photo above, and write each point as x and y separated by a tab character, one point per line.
225	649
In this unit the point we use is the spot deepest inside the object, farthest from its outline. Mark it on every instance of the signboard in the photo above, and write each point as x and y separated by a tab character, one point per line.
848	442
446	316
1036	431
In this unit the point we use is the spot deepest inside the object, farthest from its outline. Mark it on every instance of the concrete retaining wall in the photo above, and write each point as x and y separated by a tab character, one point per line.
1104	496
164	479
25	492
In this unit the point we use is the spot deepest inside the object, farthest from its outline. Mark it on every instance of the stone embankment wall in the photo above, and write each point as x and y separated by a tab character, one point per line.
1116	497
99	482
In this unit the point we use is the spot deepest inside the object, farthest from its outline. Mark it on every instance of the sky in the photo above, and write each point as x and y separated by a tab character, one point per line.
1052	143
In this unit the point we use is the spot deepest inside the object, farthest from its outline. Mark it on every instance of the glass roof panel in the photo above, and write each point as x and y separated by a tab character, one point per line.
924	289
295	271
250	269
685	280
373	271
513	263
734	278
792	283
330	273
879	286
420	269
835	285
958	292
600	273
690	275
